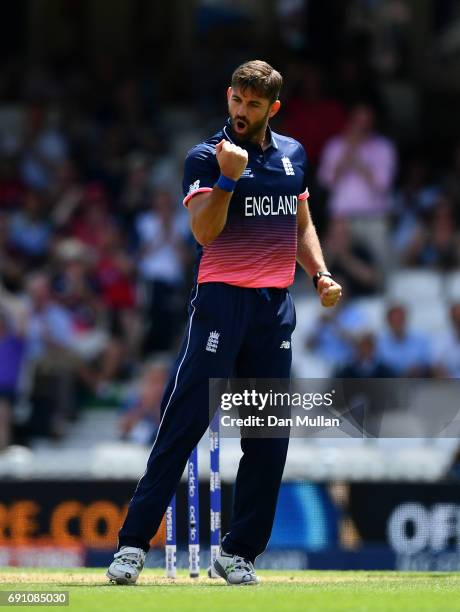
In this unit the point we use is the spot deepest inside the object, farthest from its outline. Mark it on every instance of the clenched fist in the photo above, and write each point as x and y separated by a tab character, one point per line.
232	159
329	291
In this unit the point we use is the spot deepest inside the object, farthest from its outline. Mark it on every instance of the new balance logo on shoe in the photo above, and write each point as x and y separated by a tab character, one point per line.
285	344
213	342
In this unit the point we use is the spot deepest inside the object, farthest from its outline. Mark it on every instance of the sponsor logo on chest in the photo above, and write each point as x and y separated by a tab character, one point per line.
247	173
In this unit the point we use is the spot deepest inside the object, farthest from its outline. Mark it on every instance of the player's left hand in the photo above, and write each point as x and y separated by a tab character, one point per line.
329	291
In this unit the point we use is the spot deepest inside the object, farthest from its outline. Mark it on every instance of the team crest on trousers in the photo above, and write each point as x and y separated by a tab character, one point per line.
213	342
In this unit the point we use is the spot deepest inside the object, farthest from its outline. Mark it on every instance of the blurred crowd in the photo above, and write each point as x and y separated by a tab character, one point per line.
95	251
96	257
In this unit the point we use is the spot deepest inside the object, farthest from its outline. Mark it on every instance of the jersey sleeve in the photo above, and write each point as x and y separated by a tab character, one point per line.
201	172
304	195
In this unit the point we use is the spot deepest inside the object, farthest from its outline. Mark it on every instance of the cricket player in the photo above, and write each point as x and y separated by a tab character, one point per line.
246	192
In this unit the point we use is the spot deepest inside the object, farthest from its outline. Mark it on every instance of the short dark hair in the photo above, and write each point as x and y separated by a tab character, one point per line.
259	76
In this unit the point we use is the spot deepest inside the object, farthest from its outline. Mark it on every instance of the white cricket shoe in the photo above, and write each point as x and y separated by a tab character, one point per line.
235	570
126	566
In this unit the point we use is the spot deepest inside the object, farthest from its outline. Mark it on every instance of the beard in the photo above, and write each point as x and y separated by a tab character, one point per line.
245	130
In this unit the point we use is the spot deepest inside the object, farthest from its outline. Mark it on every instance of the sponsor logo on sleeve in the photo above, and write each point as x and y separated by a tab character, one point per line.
194	187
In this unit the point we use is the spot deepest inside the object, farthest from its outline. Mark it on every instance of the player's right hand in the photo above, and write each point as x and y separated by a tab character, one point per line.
232	159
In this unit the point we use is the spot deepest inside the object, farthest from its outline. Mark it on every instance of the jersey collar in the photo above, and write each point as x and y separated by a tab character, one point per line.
230	135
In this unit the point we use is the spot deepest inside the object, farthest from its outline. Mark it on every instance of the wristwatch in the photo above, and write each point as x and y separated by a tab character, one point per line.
318	275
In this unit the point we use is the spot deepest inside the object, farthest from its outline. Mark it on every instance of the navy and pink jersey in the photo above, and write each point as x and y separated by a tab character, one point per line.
257	247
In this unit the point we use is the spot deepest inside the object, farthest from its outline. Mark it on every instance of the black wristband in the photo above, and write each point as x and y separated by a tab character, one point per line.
318	275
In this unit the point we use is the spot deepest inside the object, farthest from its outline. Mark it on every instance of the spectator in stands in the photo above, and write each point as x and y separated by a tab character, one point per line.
114	274
49	324
30	231
406	352
436	244
134	198
92	217
11	356
12	300
13	269
358	168
114	148
416	196
350	259
310	115
141	414
45	147
446	354
365	362
368	402
12	272
332	338
76	287
52	367
162	255
66	194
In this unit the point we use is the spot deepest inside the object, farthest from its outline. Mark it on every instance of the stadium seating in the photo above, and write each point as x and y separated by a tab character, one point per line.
373	309
452	286
429	316
415	286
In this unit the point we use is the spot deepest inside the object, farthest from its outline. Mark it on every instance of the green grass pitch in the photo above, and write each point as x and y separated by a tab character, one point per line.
312	591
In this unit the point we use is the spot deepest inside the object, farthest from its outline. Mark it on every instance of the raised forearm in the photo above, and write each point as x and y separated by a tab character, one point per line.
209	211
208	214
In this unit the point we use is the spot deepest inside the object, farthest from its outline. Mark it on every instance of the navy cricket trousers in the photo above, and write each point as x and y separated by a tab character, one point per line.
254	327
